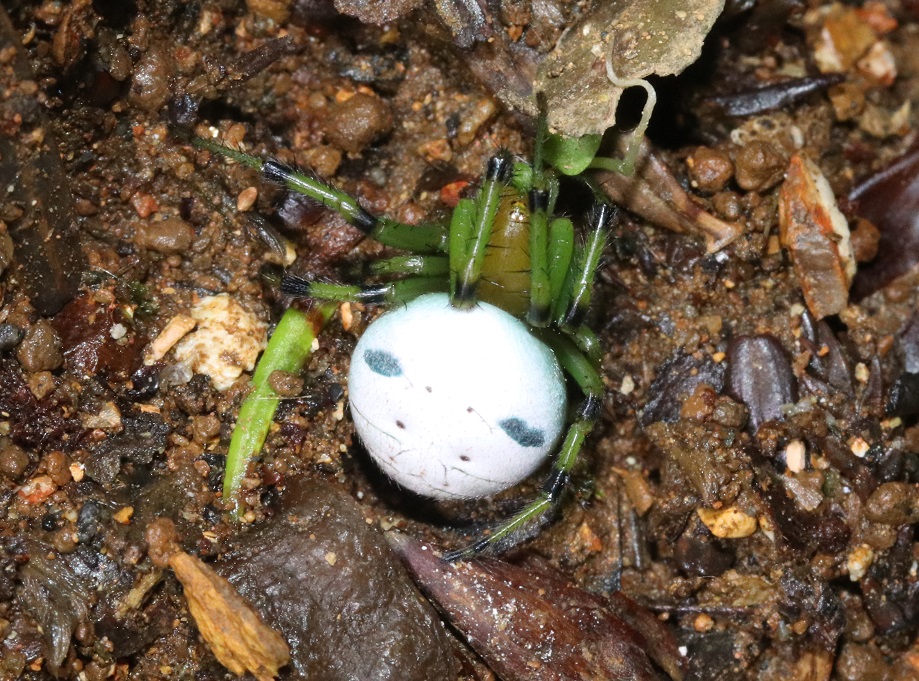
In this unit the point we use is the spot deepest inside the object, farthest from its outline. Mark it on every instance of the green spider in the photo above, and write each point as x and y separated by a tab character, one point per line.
459	391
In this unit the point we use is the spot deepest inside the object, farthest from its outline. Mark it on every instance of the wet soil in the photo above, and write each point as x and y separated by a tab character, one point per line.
753	479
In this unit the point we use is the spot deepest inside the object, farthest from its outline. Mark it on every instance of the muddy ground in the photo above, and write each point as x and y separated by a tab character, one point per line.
753	477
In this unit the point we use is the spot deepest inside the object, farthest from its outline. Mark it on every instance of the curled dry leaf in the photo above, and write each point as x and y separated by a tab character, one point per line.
527	622
890	200
656	195
645	37
233	630
816	235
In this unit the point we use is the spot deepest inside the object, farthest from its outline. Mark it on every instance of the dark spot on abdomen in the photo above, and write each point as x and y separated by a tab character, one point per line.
401	425
383	363
520	432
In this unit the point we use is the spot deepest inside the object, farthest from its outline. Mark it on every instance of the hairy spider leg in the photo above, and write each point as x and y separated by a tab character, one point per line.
571	307
578	353
551	241
470	231
401	291
421	265
429	238
531	518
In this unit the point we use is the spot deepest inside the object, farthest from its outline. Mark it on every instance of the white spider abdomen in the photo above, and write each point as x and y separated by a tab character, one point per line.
455	403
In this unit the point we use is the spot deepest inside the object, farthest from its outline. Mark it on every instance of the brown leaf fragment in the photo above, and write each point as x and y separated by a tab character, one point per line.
816	235
527	622
656	195
890	199
232	628
645	37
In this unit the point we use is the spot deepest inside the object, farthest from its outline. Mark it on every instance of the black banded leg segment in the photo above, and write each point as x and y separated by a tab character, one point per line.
392	292
467	254
531	518
422	238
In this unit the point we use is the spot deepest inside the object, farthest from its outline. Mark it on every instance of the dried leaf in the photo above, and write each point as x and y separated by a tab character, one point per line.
529	623
816	234
233	630
660	37
890	200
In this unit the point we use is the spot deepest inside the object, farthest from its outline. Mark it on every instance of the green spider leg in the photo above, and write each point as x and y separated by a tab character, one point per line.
428	276
421	265
401	291
470	231
578	353
420	238
531	518
572	306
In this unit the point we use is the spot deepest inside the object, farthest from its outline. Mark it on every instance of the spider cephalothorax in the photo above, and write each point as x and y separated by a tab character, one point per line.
458	392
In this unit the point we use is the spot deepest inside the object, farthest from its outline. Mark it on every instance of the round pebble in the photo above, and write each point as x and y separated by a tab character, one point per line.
169	236
759	166
727	205
357	122
10	336
285	384
204	428
710	169
893	503
13	460
150	88
40	350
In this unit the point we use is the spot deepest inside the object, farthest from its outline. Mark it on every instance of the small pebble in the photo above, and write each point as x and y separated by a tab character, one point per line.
759	166
865	238
57	465
893	503
13	460
169	236
151	86
40	350
857	662
205	427
355	123
473	119
727	205
710	169
10	336
144	205
323	159
276	10
285	384
64	540
246	199
123	515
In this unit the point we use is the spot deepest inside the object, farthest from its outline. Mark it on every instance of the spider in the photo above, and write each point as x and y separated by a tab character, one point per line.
459	390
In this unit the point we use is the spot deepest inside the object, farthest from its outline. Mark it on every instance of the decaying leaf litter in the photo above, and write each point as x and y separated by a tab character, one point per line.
784	550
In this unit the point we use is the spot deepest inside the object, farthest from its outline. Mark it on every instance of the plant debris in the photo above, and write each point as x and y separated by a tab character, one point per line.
233	630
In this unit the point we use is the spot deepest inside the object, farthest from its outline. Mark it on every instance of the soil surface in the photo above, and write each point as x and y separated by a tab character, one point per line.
753	480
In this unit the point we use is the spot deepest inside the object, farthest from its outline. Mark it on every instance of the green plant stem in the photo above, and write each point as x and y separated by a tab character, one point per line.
287	350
